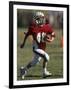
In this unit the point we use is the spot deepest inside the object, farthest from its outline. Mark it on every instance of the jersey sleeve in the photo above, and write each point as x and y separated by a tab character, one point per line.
51	31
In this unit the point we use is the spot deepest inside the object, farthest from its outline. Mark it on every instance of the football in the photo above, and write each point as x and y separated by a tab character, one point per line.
48	36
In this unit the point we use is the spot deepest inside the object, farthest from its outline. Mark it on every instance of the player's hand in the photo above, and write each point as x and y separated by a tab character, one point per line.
50	39
47	38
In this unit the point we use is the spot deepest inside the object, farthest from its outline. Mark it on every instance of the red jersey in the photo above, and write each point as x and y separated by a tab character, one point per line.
38	33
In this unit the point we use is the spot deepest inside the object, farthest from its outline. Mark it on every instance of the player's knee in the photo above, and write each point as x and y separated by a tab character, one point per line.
47	57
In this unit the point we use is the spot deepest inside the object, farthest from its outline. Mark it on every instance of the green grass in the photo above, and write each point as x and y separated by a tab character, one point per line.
55	51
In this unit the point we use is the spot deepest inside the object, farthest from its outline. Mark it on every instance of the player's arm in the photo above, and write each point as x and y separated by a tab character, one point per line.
26	36
51	37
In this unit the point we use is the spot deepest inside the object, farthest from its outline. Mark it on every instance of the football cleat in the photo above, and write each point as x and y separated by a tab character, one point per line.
23	72
46	74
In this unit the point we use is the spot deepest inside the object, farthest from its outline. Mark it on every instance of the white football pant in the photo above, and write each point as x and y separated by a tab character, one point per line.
38	54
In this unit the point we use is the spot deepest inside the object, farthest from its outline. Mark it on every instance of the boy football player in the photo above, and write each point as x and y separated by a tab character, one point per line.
41	33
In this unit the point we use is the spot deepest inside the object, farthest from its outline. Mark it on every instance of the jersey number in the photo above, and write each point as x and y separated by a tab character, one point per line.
41	36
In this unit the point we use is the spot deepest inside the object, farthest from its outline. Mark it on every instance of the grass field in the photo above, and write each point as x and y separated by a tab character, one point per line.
55	51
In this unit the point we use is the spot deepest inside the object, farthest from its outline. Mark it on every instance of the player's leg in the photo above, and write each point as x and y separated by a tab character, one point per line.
44	66
35	60
45	70
45	56
45	62
32	63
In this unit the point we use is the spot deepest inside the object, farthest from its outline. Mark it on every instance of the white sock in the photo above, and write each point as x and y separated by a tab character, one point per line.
44	70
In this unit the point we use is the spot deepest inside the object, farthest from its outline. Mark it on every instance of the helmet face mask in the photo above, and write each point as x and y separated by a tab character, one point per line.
40	21
39	18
